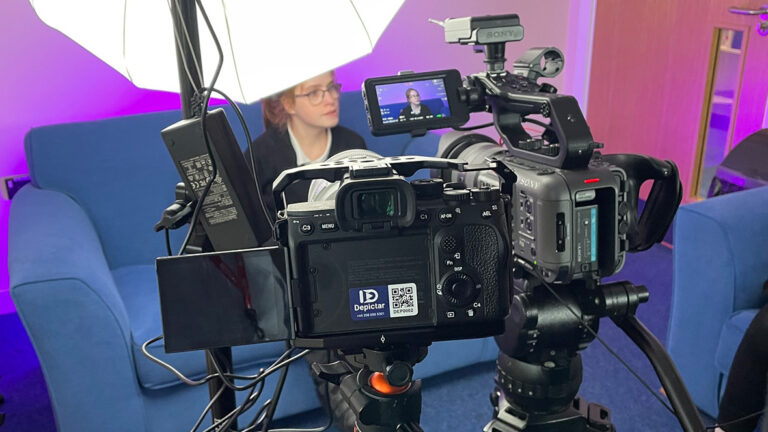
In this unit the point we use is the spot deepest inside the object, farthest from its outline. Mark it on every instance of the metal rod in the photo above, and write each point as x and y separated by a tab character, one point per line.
185	27
686	411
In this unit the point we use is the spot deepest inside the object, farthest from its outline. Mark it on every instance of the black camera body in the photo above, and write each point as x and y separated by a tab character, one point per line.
564	224
390	262
569	223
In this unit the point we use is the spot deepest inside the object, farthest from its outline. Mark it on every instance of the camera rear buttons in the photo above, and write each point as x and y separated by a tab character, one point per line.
422	215
446	216
328	226
306	228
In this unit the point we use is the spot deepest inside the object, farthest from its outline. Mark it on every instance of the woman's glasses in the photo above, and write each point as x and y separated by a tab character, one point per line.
316	96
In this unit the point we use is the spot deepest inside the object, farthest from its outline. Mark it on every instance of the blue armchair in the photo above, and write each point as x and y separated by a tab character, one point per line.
81	259
720	265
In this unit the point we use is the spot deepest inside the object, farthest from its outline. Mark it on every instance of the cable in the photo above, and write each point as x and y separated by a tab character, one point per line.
278	364
258	418
327	404
188	381
206	98
169	367
611	351
248	138
471	128
168	242
256	380
240	409
748	416
207	408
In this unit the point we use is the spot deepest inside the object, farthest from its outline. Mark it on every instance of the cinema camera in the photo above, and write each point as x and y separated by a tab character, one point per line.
573	218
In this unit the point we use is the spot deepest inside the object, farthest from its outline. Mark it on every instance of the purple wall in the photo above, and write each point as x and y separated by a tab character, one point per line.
49	79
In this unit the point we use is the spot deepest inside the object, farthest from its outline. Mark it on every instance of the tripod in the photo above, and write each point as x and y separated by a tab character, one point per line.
378	387
539	370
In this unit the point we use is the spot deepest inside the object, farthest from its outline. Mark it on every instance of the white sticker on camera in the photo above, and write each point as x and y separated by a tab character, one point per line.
403	300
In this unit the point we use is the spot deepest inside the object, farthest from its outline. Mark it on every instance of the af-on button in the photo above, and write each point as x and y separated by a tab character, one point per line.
446	216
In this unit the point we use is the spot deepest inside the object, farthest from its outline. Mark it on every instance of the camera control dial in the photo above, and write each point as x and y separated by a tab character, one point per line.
459	289
456	196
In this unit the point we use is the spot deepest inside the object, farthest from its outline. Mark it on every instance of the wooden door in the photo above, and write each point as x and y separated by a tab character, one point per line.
652	76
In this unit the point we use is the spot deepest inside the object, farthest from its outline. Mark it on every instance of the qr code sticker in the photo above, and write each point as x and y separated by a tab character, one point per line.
403	301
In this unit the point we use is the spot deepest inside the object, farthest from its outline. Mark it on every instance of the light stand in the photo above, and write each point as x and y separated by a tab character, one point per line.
188	48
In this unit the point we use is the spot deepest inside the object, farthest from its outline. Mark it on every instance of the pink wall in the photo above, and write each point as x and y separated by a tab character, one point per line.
49	79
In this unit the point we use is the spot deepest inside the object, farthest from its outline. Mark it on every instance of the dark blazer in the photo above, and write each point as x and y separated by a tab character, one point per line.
407	112
273	153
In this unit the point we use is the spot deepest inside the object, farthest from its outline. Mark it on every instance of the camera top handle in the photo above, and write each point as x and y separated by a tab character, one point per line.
566	142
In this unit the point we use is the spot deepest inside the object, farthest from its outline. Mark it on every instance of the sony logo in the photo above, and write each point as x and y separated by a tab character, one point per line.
530	183
496	34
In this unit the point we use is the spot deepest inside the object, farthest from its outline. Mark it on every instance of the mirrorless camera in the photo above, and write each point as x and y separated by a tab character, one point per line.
381	261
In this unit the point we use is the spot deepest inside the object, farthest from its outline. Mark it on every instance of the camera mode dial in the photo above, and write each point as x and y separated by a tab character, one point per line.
459	289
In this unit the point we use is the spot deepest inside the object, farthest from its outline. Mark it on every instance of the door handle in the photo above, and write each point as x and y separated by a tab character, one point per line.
743	11
762	27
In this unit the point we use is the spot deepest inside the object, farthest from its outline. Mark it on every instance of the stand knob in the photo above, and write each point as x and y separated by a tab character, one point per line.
399	373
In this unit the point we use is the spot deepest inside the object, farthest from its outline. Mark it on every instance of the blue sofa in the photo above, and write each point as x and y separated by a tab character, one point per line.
720	265
81	260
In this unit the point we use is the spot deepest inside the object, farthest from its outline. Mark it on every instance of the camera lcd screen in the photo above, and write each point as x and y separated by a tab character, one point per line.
414	102
223	299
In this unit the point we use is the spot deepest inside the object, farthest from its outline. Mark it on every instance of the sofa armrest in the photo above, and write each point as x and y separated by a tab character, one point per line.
76	320
720	265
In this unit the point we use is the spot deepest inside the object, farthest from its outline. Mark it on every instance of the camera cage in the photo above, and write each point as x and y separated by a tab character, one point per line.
404	166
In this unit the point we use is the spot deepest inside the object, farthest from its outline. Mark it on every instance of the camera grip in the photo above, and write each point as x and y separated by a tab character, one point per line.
666	194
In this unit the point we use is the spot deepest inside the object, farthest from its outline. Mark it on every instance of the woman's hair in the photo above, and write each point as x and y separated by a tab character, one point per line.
407	92
273	107
273	110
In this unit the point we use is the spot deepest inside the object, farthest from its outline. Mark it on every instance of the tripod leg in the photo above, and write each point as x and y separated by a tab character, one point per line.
686	411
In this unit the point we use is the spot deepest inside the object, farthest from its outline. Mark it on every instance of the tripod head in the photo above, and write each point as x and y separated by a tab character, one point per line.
539	366
377	386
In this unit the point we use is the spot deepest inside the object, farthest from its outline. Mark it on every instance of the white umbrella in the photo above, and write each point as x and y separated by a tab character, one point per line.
268	45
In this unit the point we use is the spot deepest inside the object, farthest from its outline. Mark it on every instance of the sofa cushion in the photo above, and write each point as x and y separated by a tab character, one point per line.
730	338
138	288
